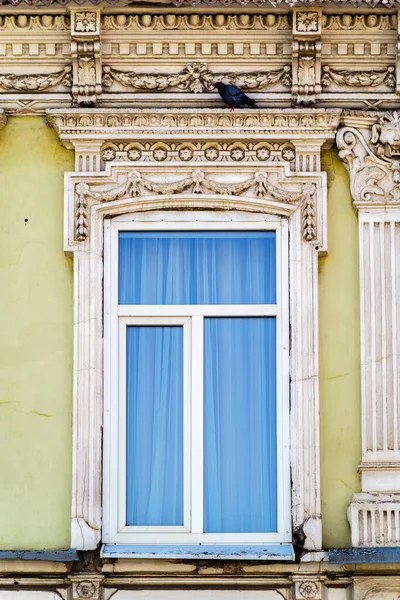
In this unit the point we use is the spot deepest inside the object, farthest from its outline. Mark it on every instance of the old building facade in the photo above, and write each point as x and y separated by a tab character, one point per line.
112	130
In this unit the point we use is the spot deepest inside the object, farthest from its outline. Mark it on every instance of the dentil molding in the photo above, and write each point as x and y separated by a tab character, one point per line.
131	161
369	145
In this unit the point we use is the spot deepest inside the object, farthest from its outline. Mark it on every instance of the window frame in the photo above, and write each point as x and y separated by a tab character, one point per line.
114	470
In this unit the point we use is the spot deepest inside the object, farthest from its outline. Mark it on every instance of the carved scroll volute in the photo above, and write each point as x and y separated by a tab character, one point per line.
370	148
86	56
306	55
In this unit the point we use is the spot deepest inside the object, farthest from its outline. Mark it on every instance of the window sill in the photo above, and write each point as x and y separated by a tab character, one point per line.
273	552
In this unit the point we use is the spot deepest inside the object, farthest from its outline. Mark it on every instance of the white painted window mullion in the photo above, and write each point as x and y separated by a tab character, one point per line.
187	419
197	491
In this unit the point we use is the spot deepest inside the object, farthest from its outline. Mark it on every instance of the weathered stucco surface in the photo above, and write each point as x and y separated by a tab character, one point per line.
339	343
36	345
36	339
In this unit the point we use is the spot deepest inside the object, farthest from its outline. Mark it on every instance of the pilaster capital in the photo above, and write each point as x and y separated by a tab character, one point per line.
369	146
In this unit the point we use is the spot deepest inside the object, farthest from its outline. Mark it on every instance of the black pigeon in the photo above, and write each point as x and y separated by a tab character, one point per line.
233	96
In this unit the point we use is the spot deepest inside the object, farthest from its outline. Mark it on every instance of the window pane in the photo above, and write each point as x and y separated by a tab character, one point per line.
154	434
197	267
240	478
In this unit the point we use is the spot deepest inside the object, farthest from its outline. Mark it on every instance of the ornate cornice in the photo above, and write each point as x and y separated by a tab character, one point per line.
157	55
127	124
369	145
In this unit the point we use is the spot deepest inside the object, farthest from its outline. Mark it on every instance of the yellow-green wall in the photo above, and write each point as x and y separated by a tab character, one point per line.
339	354
35	340
36	345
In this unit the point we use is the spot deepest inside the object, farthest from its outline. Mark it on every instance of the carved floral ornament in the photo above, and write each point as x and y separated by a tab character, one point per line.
195	77
370	148
136	186
200	151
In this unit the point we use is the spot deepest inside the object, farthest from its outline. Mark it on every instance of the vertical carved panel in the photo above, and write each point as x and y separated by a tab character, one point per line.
306	55
86	56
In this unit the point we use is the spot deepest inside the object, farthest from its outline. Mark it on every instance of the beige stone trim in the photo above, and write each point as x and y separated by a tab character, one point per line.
369	145
293	189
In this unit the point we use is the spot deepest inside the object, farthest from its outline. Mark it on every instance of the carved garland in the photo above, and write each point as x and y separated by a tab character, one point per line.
195	77
358	78
36	83
197	183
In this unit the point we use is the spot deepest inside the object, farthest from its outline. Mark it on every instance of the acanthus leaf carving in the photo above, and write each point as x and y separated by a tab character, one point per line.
86	55
358	78
136	185
306	55
372	157
195	77
35	82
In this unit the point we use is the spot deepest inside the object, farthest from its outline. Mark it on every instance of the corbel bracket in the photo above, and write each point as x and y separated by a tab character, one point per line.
86	57
306	55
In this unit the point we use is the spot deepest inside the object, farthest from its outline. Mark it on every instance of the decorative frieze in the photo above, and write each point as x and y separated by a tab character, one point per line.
285	124
198	152
149	55
354	22
34	23
198	182
195	77
369	145
195	22
86	56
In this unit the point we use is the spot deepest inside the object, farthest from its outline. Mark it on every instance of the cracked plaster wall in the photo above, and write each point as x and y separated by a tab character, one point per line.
35	341
339	352
36	345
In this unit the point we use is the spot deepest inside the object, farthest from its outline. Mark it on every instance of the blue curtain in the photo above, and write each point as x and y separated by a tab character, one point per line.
154	429
197	267
239	378
240	476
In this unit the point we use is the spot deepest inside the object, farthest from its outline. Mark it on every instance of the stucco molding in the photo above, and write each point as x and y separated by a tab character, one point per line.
36	82
369	145
148	59
77	125
196	78
294	189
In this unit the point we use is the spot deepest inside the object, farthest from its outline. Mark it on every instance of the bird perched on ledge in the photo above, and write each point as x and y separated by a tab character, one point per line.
233	96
